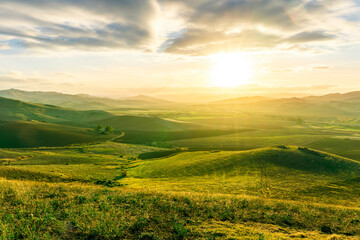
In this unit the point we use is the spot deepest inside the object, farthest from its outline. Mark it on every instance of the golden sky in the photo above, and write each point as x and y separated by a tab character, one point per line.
112	47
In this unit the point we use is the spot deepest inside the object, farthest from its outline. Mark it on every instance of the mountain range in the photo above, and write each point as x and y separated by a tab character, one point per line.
330	105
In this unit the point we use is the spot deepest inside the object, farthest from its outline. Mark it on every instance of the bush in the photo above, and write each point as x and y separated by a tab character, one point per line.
307	150
282	147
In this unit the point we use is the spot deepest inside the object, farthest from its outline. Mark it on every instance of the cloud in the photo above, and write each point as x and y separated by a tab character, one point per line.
315	36
281	70
89	25
321	67
251	25
4	46
203	42
202	27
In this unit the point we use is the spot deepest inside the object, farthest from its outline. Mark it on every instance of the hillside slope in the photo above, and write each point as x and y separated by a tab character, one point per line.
140	123
17	110
16	134
232	163
293	106
83	101
321	106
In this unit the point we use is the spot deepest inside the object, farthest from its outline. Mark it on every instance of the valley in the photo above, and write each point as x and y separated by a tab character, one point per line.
167	173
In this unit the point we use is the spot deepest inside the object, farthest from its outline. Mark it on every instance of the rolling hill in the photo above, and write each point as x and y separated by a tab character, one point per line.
17	110
241	100
335	97
139	123
314	107
269	193
15	134
232	163
85	102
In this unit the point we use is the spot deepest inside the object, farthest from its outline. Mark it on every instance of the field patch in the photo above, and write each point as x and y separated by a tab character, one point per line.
16	134
151	137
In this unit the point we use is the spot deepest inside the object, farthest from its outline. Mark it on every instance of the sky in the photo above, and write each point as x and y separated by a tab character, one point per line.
163	47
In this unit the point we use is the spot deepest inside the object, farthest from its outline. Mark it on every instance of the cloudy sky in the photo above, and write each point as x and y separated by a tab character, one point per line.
108	46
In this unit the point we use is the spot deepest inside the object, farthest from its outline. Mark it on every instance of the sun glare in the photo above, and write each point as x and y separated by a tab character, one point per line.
230	70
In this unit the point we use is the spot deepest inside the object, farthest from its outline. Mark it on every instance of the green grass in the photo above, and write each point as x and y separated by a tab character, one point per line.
47	211
15	134
88	163
147	137
344	146
141	123
112	190
288	173
11	110
234	163
244	141
265	193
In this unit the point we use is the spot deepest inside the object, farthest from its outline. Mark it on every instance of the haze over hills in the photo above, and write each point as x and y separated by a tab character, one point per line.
336	97
350	96
83	101
328	105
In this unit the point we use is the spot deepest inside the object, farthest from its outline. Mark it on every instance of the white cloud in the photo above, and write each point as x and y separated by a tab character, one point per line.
178	26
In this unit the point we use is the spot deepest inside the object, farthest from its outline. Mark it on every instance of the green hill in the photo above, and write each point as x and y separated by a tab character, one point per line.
140	123
232	163
17	110
192	195
85	102
14	134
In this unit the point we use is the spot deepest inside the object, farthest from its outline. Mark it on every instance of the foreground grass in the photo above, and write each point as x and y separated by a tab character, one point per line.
266	193
32	210
83	163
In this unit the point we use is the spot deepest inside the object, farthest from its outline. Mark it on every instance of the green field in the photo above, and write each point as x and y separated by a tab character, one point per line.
199	174
20	134
234	194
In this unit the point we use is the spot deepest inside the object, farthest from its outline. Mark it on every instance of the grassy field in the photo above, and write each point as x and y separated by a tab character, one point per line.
104	191
180	176
20	134
35	210
82	212
147	137
142	123
11	110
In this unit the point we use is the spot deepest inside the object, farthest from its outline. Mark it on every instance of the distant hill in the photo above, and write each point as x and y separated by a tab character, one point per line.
59	99
273	159
335	97
17	134
85	102
140	123
241	100
147	99
17	110
322	106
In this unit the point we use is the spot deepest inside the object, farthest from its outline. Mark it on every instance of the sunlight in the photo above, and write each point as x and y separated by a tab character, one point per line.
230	69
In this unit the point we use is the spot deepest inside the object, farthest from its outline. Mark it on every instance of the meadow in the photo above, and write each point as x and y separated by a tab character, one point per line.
197	174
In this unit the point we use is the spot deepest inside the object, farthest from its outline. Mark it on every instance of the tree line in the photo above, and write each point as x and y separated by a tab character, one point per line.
104	130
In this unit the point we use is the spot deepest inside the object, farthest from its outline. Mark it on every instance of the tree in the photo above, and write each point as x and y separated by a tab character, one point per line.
109	129
98	128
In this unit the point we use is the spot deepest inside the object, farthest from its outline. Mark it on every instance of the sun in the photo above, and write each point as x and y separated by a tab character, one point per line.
230	69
